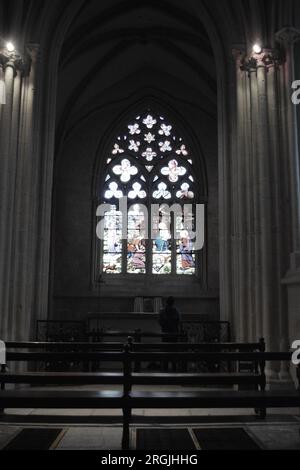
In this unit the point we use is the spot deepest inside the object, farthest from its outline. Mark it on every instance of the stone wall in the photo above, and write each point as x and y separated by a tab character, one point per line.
73	220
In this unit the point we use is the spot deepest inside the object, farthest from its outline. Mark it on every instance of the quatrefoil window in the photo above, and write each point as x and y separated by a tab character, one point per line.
149	163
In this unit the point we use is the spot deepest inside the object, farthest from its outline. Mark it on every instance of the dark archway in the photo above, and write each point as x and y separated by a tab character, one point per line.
177	72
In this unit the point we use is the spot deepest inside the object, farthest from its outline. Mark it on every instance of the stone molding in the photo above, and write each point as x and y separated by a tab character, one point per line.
267	59
16	61
288	35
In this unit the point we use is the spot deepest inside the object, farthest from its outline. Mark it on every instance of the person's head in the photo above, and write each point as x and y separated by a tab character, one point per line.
170	302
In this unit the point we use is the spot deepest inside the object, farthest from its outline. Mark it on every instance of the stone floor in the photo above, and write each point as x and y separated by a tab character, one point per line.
84	432
102	430
282	435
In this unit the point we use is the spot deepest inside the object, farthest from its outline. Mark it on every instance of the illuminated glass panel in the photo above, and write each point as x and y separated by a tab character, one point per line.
136	243
185	249
173	171
162	192
112	243
149	163
185	192
162	243
186	258
125	171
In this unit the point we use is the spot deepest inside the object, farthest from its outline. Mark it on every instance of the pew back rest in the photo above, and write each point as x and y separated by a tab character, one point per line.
137	346
129	357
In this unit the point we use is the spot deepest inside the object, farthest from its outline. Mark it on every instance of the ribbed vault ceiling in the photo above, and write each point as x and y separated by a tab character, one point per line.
164	45
149	44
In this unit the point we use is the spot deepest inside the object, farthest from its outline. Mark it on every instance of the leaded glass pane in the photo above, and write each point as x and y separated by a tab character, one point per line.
148	163
112	243
185	192
113	192
112	263
185	256
162	246
136	243
162	192
125	170
185	259
161	263
173	171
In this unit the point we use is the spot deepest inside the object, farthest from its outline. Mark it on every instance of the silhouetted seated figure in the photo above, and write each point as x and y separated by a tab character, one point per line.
169	320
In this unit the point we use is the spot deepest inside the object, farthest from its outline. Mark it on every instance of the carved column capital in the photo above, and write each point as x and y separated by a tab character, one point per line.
238	53
288	36
267	59
14	60
33	52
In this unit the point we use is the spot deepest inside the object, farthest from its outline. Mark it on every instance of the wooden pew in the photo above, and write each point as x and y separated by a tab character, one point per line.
70	346
260	399
138	347
53	399
193	347
129	399
137	335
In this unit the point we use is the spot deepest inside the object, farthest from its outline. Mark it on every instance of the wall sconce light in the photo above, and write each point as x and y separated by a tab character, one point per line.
257	49
6	48
10	47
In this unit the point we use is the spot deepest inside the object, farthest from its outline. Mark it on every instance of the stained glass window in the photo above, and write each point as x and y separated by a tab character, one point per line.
149	163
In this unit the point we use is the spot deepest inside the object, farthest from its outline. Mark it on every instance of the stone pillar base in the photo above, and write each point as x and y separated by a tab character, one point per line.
281	384
292	283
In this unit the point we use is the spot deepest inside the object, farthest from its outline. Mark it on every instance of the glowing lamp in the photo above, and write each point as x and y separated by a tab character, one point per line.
10	47
257	48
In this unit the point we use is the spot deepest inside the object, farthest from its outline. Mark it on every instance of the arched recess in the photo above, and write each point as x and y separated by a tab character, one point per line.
156	102
52	39
185	148
47	24
72	122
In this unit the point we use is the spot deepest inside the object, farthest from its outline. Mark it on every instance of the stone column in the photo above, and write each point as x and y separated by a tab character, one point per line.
255	291
26	183
257	238
12	66
288	37
14	143
290	325
239	206
265	203
26	205
5	131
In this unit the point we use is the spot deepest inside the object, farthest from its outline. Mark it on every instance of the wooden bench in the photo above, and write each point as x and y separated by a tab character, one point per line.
260	399
57	399
193	347
225	378
64	347
129	399
138	347
137	335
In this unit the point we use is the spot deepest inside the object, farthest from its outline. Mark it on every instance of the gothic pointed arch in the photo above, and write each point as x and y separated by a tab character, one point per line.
151	163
